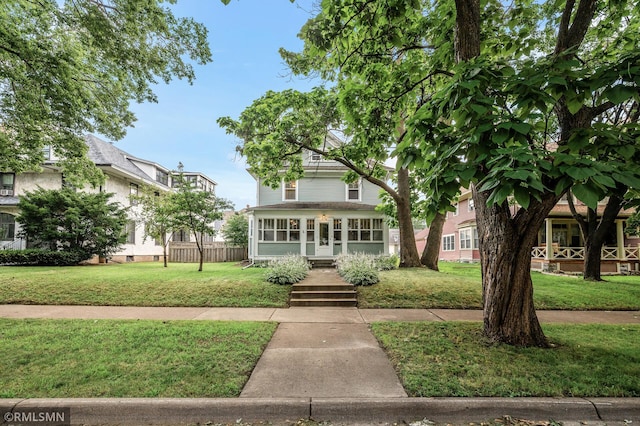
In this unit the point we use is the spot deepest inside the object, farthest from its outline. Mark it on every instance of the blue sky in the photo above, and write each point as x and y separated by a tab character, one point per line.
244	38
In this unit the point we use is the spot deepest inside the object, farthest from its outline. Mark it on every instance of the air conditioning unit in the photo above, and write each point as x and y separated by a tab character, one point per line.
6	191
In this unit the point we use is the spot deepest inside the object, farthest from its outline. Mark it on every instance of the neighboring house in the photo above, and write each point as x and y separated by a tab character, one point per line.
318	216
125	175
564	251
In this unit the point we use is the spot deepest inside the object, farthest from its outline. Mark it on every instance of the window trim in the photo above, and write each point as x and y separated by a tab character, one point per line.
451	244
285	189
366	229
348	190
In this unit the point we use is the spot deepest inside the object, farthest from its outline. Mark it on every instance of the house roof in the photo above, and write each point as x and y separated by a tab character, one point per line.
105	154
317	206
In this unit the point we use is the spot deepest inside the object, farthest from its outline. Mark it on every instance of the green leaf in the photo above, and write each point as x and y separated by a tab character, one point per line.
522	196
620	93
522	128
585	194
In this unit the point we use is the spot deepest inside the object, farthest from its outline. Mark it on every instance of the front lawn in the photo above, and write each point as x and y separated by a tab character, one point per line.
459	286
108	358
455	360
141	284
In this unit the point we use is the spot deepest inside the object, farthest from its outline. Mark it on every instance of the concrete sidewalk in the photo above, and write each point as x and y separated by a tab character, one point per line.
299	315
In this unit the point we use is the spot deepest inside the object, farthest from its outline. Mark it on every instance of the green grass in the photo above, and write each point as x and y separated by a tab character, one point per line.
453	359
141	284
108	358
459	286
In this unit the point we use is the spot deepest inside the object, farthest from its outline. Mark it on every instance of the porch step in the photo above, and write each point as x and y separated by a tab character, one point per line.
313	293
322	263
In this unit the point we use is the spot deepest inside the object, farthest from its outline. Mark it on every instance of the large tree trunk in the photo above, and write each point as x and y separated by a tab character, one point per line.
506	240
409	257
431	251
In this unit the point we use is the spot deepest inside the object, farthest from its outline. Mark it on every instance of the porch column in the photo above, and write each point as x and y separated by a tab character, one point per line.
343	234
548	229
620	240
303	236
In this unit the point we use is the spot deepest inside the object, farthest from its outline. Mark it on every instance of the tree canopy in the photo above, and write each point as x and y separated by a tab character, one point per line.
71	67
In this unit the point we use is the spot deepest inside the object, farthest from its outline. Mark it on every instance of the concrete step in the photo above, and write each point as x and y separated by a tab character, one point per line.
322	263
342	303
322	287
345	294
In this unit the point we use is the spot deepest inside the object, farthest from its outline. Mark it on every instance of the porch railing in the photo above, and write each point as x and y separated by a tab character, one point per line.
577	253
18	244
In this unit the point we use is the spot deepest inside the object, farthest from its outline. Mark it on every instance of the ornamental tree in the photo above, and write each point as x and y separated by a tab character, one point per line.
71	67
86	223
196	210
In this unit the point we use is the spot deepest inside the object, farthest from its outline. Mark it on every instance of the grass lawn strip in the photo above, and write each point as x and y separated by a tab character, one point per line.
113	358
459	286
454	360
141	284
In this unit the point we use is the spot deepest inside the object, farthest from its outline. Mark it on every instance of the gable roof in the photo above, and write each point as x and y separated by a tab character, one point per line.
106	155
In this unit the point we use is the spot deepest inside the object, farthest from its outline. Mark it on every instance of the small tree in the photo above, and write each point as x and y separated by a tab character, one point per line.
156	213
236	231
196	210
73	221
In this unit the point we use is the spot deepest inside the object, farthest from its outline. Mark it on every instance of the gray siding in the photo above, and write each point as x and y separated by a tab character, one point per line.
368	248
320	189
278	249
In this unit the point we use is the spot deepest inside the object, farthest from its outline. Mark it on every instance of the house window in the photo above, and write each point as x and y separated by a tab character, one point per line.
7	227
162	177
337	229
314	156
266	230
290	191
181	236
279	229
6	184
465	239
376	228
472	205
449	242
133	191
353	191
456	211
476	244
311	229
365	230
130	230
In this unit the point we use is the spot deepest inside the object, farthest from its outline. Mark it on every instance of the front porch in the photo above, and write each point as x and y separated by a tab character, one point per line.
564	251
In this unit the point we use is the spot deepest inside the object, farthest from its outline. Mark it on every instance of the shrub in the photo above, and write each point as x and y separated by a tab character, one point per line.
387	262
41	257
289	269
358	268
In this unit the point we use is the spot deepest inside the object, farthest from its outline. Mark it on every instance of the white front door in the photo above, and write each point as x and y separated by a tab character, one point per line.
324	244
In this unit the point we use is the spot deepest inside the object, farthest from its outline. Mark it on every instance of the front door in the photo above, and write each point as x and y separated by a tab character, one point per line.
325	241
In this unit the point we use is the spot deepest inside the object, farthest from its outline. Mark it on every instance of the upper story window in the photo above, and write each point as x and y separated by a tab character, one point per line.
290	191
162	177
314	156
354	191
7	182
471	206
133	190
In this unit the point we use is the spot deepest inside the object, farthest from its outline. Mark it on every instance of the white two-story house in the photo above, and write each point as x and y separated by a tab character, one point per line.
125	176
317	216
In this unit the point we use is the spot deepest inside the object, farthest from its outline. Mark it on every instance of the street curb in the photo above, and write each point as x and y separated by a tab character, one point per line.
172	411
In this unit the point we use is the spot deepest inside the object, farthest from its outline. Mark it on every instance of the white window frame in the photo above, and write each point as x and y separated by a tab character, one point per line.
457	210
471	206
314	156
449	242
352	187
285	189
466	239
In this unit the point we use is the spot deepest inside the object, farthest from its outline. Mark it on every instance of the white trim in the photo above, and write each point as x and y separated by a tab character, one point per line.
284	190
454	242
346	195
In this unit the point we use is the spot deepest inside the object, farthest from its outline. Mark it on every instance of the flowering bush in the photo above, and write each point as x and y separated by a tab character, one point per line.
358	269
288	269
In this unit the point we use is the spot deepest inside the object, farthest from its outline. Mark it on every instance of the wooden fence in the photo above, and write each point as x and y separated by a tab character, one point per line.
188	253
